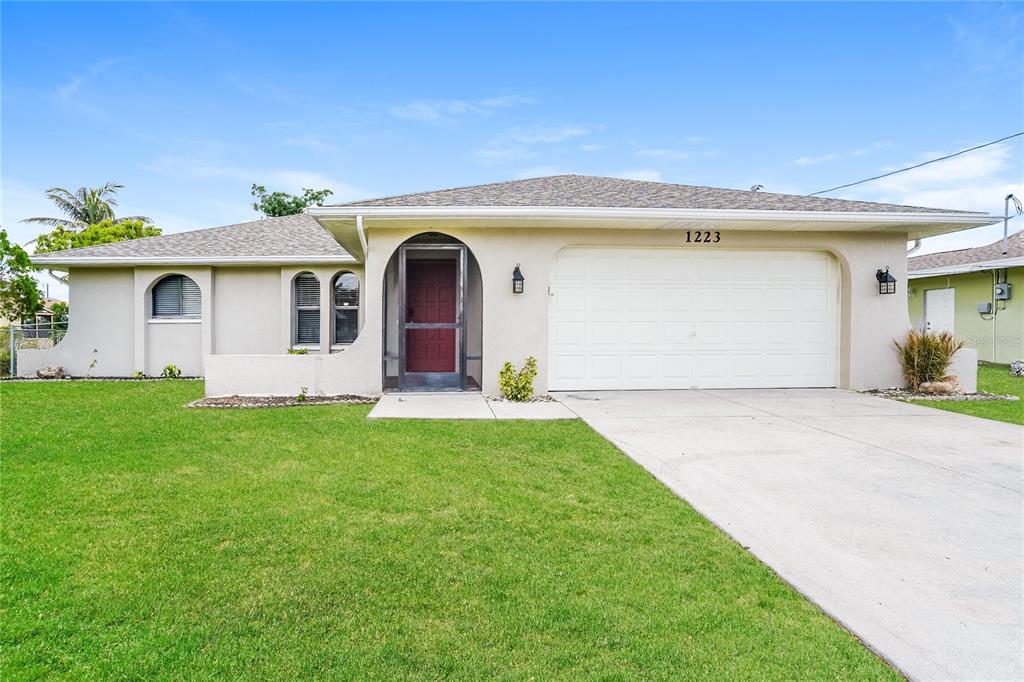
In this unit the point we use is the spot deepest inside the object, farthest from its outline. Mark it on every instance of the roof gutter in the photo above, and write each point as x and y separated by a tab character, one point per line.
80	261
984	266
615	213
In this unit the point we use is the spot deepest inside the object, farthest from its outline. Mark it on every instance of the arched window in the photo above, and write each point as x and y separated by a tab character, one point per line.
346	308
177	296
307	309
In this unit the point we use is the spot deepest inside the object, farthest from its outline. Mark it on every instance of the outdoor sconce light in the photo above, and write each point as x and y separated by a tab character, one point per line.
517	280
886	282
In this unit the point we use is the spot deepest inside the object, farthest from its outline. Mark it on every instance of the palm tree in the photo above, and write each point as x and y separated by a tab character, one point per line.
85	207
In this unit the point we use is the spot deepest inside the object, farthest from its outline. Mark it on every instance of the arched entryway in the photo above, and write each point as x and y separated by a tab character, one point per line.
432	316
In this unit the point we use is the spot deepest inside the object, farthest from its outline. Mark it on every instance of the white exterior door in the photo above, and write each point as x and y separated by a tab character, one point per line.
665	318
939	310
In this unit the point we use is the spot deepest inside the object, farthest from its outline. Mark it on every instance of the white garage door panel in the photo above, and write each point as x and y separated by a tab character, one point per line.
687	318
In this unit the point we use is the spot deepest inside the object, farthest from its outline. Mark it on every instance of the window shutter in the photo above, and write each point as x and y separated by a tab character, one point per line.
307	309
307	326
167	297
307	290
191	299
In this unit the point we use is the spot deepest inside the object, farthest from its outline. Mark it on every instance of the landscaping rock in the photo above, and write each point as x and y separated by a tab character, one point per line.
51	372
1017	368
944	387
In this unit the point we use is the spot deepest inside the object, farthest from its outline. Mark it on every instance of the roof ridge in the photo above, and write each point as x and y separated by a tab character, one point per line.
458	187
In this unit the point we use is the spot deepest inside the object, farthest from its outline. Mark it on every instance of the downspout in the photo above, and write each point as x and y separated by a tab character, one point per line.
915	247
362	235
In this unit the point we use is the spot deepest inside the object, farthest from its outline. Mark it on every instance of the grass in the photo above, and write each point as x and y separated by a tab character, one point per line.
141	539
994	379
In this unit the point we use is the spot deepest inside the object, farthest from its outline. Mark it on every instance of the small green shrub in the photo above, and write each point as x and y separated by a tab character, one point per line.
140	375
303	394
171	372
517	386
926	357
298	351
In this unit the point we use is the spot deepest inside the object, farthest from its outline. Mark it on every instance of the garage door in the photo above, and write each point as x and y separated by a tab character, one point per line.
687	318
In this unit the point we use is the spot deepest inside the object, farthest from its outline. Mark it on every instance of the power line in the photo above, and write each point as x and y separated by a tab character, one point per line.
901	170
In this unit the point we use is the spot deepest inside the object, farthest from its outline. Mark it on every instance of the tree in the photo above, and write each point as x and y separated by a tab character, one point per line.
106	231
275	204
85	207
19	292
60	312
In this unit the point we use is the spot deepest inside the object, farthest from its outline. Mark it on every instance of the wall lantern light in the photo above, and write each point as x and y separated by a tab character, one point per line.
886	282
517	280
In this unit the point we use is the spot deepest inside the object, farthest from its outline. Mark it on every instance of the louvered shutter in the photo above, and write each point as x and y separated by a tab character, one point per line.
307	309
191	299
167	297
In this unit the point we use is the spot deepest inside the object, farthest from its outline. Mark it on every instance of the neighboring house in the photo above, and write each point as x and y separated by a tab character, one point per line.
625	285
978	294
42	318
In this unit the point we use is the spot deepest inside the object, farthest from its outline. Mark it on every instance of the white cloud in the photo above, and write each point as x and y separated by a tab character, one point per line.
646	174
832	156
521	142
663	153
591	147
71	88
441	111
293	181
306	141
976	181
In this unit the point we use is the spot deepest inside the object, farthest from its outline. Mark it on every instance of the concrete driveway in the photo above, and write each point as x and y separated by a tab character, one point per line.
904	523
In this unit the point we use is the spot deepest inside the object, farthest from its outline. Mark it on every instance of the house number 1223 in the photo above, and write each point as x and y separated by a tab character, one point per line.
703	237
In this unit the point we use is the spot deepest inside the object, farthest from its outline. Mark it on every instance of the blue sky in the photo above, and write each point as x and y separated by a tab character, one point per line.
188	104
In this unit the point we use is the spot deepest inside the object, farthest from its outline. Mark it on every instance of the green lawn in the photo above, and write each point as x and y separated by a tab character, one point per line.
994	379
141	539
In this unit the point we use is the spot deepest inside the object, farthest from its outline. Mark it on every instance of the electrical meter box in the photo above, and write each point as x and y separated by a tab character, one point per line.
985	308
1001	291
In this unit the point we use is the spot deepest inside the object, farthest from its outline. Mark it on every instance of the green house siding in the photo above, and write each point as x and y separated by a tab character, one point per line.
971	289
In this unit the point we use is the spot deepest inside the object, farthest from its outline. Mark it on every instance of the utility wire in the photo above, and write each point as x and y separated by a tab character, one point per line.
901	170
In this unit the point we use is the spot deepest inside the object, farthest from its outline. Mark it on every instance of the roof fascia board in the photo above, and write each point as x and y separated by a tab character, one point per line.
204	260
615	213
967	267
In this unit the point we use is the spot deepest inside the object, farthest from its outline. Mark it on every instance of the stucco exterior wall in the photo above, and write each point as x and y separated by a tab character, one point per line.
516	326
972	288
247	310
100	327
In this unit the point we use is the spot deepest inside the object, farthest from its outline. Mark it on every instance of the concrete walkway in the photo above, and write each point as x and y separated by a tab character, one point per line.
902	522
462	406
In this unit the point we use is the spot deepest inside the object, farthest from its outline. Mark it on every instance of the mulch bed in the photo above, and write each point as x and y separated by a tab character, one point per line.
249	401
905	395
535	399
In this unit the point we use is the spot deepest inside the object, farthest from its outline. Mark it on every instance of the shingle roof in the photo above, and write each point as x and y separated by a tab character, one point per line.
288	236
598	192
979	254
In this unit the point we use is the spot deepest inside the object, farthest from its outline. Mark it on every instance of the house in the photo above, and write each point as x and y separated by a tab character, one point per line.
609	283
978	294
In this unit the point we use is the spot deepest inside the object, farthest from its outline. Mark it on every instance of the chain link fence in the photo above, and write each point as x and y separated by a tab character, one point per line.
17	337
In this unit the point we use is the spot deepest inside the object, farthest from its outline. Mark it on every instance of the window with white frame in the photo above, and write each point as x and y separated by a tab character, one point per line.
307	309
346	308
177	296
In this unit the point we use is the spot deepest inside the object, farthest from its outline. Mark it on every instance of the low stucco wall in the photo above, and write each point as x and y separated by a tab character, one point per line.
972	288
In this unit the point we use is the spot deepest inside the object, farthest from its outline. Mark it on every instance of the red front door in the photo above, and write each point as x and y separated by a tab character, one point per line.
430	297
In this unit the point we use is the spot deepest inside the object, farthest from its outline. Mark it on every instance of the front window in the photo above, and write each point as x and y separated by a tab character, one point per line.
177	296
307	309
346	308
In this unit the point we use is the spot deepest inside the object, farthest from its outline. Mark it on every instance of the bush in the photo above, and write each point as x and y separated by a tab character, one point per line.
926	356
517	386
298	351
171	372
